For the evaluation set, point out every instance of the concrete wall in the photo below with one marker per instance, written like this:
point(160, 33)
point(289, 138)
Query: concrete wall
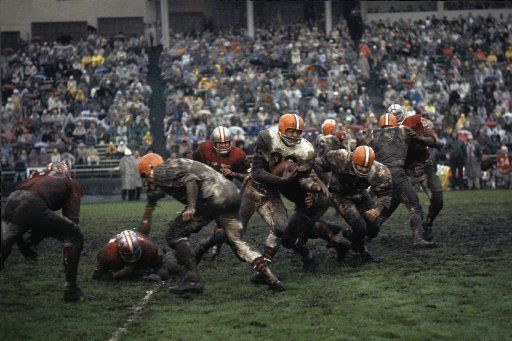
point(392, 17)
point(17, 15)
point(92, 186)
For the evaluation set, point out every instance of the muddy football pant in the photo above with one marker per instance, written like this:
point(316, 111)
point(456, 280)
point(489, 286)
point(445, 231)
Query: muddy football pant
point(179, 231)
point(404, 193)
point(429, 181)
point(25, 211)
point(271, 208)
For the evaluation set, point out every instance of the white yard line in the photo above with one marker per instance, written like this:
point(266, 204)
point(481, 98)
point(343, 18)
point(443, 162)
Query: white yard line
point(135, 311)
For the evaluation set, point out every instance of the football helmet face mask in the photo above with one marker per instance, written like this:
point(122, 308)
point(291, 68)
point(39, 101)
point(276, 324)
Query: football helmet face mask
point(129, 248)
point(221, 140)
point(398, 111)
point(290, 128)
point(363, 158)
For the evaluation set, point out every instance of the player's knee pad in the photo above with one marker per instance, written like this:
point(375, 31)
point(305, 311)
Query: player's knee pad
point(76, 240)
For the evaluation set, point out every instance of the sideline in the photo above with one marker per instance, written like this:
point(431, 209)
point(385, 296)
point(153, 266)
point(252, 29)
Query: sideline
point(135, 310)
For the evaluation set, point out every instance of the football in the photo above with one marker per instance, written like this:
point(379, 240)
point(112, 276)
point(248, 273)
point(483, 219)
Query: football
point(284, 168)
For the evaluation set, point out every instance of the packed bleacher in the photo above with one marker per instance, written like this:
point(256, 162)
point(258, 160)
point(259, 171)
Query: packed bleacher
point(65, 99)
point(81, 103)
point(456, 72)
point(228, 79)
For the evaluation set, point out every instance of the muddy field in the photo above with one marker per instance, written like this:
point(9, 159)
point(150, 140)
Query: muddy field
point(462, 289)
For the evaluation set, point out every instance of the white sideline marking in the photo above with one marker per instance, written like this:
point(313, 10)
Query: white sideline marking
point(135, 311)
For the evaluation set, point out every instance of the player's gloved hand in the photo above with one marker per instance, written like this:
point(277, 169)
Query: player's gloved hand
point(372, 214)
point(188, 214)
point(411, 133)
point(324, 190)
point(309, 200)
point(126, 271)
point(227, 172)
point(145, 224)
point(290, 174)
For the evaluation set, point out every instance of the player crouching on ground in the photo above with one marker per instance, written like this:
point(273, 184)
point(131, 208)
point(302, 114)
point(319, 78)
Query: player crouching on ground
point(31, 208)
point(208, 196)
point(351, 175)
point(131, 254)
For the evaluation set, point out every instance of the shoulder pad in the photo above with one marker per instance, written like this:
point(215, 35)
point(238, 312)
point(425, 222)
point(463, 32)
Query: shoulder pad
point(341, 154)
point(204, 146)
point(238, 153)
point(264, 138)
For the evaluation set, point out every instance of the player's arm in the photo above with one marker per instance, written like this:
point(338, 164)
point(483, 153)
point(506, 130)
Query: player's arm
point(381, 187)
point(154, 193)
point(71, 208)
point(259, 171)
point(192, 192)
point(241, 167)
point(429, 133)
point(197, 155)
point(411, 136)
point(126, 271)
point(103, 268)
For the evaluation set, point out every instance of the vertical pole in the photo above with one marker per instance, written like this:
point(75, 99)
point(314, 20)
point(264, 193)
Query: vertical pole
point(440, 8)
point(364, 10)
point(250, 17)
point(328, 17)
point(164, 20)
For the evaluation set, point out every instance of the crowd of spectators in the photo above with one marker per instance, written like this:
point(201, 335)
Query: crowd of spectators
point(228, 79)
point(457, 72)
point(61, 100)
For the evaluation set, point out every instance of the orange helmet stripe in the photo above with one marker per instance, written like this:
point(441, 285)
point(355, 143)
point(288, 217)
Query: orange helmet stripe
point(387, 119)
point(128, 240)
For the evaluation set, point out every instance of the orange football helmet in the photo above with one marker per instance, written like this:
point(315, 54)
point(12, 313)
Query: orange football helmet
point(148, 162)
point(329, 127)
point(387, 120)
point(363, 156)
point(290, 121)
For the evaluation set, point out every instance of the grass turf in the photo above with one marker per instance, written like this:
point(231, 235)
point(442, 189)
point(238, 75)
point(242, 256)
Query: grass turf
point(462, 289)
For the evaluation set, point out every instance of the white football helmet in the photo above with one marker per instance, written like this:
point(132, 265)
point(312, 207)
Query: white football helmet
point(398, 111)
point(221, 135)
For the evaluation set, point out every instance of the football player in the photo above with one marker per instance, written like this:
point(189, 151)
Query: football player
point(420, 168)
point(352, 174)
point(230, 161)
point(219, 154)
point(32, 208)
point(207, 196)
point(129, 254)
point(391, 144)
point(262, 188)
